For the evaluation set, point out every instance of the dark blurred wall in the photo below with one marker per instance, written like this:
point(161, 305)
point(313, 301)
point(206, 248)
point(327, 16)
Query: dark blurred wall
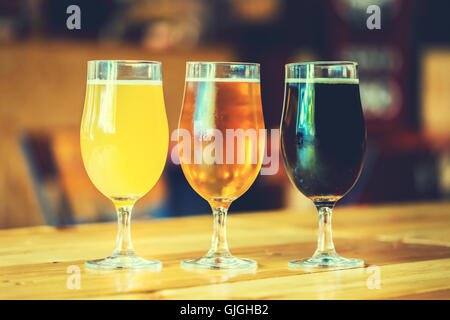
point(94, 13)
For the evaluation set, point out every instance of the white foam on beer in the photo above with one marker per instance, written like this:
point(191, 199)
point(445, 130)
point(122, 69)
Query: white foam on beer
point(124, 82)
point(323, 80)
point(221, 80)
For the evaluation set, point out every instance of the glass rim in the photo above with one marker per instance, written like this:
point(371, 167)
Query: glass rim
point(225, 63)
point(322, 64)
point(135, 62)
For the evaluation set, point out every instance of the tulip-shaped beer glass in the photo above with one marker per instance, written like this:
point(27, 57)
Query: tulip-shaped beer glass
point(323, 141)
point(221, 132)
point(124, 143)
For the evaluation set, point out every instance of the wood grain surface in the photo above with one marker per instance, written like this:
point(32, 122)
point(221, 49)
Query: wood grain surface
point(406, 247)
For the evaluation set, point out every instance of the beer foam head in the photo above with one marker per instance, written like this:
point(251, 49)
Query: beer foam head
point(221, 80)
point(123, 82)
point(323, 80)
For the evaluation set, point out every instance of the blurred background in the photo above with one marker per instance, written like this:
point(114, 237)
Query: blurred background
point(404, 76)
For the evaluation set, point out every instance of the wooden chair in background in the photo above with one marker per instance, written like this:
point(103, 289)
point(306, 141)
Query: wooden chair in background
point(62, 187)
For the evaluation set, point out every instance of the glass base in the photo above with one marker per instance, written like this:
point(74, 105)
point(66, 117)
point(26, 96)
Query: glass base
point(326, 263)
point(131, 262)
point(219, 263)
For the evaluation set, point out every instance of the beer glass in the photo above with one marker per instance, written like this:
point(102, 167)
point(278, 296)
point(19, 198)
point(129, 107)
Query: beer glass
point(323, 142)
point(124, 143)
point(221, 127)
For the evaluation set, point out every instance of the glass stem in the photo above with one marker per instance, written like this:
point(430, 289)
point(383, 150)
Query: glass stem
point(219, 245)
point(325, 245)
point(123, 242)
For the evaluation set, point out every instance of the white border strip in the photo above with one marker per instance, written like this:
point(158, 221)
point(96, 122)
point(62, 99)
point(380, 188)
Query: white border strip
point(323, 80)
point(125, 82)
point(221, 80)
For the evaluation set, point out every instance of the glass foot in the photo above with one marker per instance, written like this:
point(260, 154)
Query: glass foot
point(326, 263)
point(219, 263)
point(131, 262)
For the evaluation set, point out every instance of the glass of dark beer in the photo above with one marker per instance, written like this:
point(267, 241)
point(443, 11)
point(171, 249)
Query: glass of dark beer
point(323, 143)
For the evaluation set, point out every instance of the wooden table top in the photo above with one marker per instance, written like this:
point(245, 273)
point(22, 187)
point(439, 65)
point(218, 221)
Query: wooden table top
point(406, 247)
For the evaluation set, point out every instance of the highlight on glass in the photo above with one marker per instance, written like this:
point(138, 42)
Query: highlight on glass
point(124, 143)
point(323, 143)
point(221, 107)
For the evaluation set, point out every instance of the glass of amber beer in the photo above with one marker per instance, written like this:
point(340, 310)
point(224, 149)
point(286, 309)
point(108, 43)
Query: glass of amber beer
point(222, 144)
point(124, 143)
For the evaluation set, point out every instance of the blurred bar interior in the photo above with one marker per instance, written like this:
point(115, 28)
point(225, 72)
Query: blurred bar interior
point(405, 89)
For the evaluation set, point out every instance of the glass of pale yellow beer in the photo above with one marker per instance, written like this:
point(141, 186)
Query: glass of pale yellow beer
point(124, 143)
point(221, 145)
